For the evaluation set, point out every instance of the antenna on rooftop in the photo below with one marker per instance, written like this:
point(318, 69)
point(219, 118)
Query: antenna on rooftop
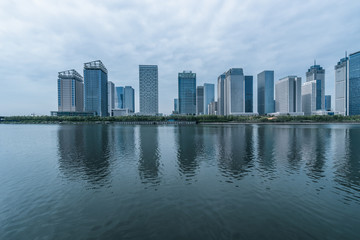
point(314, 62)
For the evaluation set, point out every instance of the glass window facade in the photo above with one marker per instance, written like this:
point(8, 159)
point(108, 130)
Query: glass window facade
point(248, 93)
point(354, 84)
point(95, 89)
point(187, 92)
point(120, 97)
point(209, 96)
point(59, 92)
point(266, 103)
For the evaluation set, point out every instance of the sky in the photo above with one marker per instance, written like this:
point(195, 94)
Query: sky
point(40, 38)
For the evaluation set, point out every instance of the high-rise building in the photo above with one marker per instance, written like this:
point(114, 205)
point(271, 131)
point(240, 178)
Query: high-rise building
point(265, 87)
point(288, 95)
point(347, 85)
point(199, 100)
point(70, 91)
point(317, 73)
point(148, 83)
point(234, 92)
point(354, 84)
point(111, 97)
point(308, 97)
point(187, 92)
point(96, 88)
point(341, 86)
point(220, 94)
point(327, 102)
point(176, 106)
point(213, 108)
point(249, 94)
point(119, 97)
point(209, 96)
point(129, 98)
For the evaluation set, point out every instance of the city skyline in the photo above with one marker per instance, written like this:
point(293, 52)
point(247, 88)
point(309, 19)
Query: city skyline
point(167, 36)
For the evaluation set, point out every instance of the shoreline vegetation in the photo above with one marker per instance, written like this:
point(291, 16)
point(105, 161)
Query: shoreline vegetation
point(181, 119)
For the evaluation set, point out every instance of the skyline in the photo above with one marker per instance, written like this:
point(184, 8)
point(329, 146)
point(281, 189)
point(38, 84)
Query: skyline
point(279, 36)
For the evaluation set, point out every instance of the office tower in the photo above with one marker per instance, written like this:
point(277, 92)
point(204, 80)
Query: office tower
point(317, 73)
point(176, 106)
point(199, 100)
point(341, 86)
point(148, 82)
point(234, 97)
point(129, 98)
point(288, 95)
point(265, 87)
point(120, 97)
point(249, 94)
point(221, 92)
point(354, 84)
point(209, 96)
point(70, 91)
point(213, 108)
point(327, 102)
point(187, 92)
point(111, 96)
point(96, 88)
point(308, 97)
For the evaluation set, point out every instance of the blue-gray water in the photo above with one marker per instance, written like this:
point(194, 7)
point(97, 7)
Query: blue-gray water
point(179, 182)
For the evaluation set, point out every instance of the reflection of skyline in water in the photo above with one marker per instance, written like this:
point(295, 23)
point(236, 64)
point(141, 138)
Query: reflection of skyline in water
point(84, 152)
point(236, 150)
point(187, 149)
point(347, 161)
point(149, 154)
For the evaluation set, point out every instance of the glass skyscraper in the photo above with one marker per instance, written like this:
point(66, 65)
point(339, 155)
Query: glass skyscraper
point(199, 100)
point(129, 98)
point(148, 83)
point(234, 92)
point(111, 96)
point(341, 86)
point(221, 93)
point(354, 83)
point(327, 102)
point(317, 73)
point(70, 91)
point(176, 106)
point(96, 88)
point(120, 97)
point(209, 96)
point(288, 95)
point(265, 86)
point(187, 92)
point(249, 94)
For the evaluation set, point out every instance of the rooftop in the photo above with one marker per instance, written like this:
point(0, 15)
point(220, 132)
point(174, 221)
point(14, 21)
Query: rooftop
point(355, 53)
point(95, 65)
point(70, 74)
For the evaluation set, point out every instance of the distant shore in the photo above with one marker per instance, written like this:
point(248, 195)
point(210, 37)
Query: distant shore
point(182, 120)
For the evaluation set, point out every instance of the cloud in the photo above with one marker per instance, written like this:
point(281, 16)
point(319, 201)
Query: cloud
point(40, 38)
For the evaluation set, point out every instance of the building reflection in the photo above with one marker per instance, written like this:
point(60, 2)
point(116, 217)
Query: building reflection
point(84, 152)
point(235, 150)
point(187, 149)
point(315, 142)
point(346, 161)
point(265, 148)
point(149, 154)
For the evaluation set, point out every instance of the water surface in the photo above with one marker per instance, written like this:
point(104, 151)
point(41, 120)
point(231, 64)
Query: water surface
point(94, 181)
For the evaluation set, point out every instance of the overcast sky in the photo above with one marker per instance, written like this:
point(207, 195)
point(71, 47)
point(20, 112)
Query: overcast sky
point(40, 38)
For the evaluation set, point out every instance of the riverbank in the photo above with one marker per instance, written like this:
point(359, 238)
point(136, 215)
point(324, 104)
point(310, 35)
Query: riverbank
point(177, 119)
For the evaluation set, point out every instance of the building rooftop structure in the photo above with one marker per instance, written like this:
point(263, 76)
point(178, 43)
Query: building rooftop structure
point(70, 74)
point(95, 65)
